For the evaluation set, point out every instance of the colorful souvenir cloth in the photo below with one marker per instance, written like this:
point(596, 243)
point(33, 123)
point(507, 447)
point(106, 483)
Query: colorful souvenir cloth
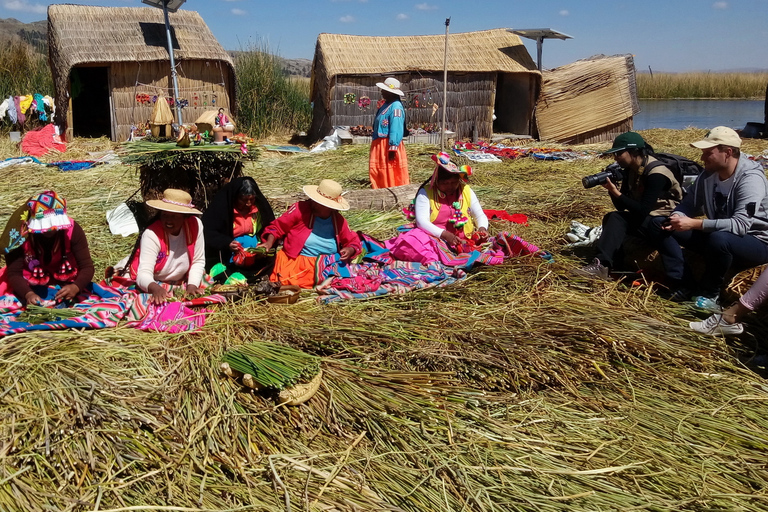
point(105, 306)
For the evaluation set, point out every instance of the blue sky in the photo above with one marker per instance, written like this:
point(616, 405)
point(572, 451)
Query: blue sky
point(667, 35)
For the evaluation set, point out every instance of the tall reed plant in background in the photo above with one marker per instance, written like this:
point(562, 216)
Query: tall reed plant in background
point(24, 71)
point(269, 102)
point(702, 85)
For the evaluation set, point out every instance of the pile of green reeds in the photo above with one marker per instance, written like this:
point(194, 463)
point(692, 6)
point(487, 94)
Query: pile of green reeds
point(272, 366)
point(35, 314)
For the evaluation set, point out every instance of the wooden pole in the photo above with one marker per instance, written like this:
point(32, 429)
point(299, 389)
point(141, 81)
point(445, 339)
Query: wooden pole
point(445, 83)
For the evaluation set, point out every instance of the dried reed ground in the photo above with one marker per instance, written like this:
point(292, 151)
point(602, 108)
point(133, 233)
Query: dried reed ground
point(520, 388)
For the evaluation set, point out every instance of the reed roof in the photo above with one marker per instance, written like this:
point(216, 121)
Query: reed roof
point(585, 96)
point(81, 34)
point(494, 50)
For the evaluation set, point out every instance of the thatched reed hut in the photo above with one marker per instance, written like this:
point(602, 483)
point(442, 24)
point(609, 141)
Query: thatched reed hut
point(590, 100)
point(108, 63)
point(487, 70)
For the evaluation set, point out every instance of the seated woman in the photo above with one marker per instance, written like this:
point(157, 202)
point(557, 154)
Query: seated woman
point(171, 251)
point(45, 247)
point(233, 226)
point(308, 229)
point(451, 226)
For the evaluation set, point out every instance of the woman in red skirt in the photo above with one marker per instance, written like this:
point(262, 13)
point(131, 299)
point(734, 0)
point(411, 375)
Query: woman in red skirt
point(388, 163)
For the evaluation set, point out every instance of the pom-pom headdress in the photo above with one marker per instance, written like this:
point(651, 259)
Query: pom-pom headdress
point(47, 212)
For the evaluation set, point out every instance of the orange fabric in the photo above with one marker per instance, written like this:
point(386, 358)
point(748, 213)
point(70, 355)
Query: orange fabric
point(298, 272)
point(384, 172)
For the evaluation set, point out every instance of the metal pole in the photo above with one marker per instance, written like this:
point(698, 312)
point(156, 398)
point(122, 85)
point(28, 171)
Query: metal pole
point(173, 63)
point(539, 44)
point(445, 83)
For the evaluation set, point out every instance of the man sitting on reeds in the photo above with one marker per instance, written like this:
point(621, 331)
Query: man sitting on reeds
point(649, 190)
point(733, 197)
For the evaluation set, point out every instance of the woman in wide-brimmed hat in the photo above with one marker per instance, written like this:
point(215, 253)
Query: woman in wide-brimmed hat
point(388, 163)
point(450, 224)
point(234, 223)
point(44, 247)
point(309, 229)
point(171, 251)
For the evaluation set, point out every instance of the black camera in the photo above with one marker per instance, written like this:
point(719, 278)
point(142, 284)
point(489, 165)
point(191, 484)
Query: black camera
point(613, 171)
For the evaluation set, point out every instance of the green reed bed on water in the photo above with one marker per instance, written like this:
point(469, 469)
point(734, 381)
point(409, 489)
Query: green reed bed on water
point(520, 388)
point(702, 85)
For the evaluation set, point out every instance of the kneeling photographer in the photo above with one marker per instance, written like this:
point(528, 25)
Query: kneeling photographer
point(648, 189)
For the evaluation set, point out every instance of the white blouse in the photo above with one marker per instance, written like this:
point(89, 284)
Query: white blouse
point(423, 213)
point(177, 264)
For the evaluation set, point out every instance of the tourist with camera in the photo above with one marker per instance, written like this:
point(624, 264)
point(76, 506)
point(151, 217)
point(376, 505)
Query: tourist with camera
point(648, 190)
point(733, 198)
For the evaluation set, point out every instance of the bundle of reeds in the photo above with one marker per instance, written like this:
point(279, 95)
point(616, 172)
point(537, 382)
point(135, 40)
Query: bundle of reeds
point(272, 366)
point(35, 314)
point(200, 170)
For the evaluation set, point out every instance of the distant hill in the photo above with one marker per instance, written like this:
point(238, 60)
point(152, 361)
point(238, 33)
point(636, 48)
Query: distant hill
point(36, 35)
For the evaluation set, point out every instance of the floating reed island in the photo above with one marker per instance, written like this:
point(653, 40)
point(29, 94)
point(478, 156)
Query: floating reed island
point(519, 388)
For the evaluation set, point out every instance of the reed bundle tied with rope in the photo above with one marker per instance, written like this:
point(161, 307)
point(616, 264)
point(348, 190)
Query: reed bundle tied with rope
point(272, 366)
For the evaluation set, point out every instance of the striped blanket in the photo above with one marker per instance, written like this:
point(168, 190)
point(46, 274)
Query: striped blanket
point(104, 306)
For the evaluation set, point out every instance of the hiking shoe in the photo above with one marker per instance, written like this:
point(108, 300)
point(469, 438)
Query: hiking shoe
point(707, 303)
point(594, 269)
point(678, 295)
point(715, 324)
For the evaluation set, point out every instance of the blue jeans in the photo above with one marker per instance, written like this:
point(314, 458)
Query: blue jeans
point(720, 250)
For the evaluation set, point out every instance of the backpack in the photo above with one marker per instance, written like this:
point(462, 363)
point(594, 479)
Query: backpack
point(684, 169)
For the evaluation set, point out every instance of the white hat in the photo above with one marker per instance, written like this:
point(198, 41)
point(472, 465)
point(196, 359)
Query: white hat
point(391, 85)
point(174, 200)
point(327, 193)
point(717, 136)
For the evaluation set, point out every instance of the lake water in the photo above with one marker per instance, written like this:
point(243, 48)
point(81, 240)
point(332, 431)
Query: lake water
point(679, 114)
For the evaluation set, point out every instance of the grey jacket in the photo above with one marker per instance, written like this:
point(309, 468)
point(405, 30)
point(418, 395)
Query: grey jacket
point(746, 204)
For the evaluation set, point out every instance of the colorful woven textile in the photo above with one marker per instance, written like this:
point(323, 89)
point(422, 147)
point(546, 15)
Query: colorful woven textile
point(105, 306)
point(470, 150)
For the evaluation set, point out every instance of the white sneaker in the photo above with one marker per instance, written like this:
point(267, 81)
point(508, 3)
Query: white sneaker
point(715, 324)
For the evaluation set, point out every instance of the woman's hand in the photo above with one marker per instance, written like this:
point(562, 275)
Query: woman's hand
point(267, 243)
point(449, 238)
point(482, 235)
point(67, 292)
point(346, 254)
point(235, 246)
point(158, 294)
point(192, 290)
point(33, 298)
point(611, 188)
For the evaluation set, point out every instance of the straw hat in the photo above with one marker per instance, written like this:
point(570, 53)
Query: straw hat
point(327, 193)
point(174, 200)
point(391, 85)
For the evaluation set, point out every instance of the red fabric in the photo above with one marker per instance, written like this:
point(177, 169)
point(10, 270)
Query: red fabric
point(39, 142)
point(517, 218)
point(383, 172)
point(242, 224)
point(295, 226)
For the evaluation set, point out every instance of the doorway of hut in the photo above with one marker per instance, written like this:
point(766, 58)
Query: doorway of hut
point(515, 100)
point(89, 90)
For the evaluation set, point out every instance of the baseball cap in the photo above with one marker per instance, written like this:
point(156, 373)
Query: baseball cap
point(718, 135)
point(627, 140)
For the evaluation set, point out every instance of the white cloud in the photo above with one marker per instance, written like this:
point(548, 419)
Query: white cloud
point(425, 7)
point(720, 5)
point(564, 12)
point(401, 16)
point(238, 12)
point(347, 19)
point(23, 6)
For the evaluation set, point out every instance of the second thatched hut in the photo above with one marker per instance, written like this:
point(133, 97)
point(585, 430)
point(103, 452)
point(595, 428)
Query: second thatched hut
point(487, 70)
